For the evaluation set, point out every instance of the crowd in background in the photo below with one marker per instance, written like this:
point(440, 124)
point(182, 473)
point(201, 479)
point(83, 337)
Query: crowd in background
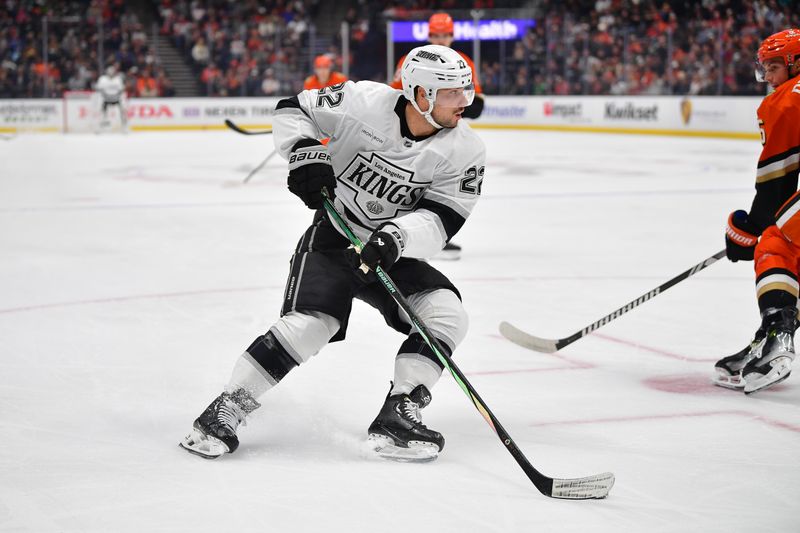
point(649, 47)
point(265, 48)
point(76, 31)
point(243, 48)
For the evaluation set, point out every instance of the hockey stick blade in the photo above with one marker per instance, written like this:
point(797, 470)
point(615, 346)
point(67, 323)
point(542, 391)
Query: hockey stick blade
point(237, 129)
point(526, 340)
point(584, 488)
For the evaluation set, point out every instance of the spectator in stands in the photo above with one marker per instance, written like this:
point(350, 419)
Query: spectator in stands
point(232, 84)
point(252, 84)
point(270, 86)
point(146, 86)
point(7, 85)
point(211, 77)
point(200, 52)
point(164, 84)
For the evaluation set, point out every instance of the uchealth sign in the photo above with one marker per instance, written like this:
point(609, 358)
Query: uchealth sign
point(465, 30)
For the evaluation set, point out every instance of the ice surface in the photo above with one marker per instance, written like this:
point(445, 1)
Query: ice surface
point(135, 269)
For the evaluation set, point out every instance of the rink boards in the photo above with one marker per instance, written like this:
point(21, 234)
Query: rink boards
point(704, 116)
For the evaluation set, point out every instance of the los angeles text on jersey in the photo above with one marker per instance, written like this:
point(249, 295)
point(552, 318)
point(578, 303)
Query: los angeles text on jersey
point(382, 189)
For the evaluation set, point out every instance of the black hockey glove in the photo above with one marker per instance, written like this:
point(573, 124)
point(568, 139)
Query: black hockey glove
point(475, 109)
point(741, 237)
point(309, 171)
point(383, 248)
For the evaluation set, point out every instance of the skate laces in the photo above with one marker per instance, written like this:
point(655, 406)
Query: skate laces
point(411, 410)
point(230, 415)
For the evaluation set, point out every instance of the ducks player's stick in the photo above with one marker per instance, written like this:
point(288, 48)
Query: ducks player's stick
point(532, 342)
point(237, 129)
point(584, 488)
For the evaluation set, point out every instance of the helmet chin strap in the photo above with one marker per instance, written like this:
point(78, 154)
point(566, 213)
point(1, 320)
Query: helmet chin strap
point(427, 114)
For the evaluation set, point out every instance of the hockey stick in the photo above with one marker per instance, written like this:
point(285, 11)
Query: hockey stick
point(260, 166)
point(237, 129)
point(526, 340)
point(584, 488)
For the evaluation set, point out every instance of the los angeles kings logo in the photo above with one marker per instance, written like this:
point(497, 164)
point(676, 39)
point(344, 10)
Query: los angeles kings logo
point(381, 189)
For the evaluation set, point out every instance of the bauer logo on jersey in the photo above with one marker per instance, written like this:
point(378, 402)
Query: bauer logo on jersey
point(379, 188)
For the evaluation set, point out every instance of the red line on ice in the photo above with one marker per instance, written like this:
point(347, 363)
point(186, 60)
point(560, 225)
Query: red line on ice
point(572, 365)
point(651, 349)
point(129, 298)
point(746, 414)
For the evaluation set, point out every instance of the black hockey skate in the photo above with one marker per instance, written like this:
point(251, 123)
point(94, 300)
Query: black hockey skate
point(773, 361)
point(729, 369)
point(214, 431)
point(398, 432)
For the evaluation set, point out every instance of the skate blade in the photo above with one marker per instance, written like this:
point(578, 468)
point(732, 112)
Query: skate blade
point(727, 381)
point(417, 451)
point(781, 368)
point(198, 443)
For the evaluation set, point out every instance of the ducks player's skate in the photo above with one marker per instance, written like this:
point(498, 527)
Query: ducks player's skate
point(398, 432)
point(773, 361)
point(214, 432)
point(729, 369)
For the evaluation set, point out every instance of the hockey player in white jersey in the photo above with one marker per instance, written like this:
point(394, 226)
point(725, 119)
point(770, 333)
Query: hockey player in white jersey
point(111, 87)
point(406, 172)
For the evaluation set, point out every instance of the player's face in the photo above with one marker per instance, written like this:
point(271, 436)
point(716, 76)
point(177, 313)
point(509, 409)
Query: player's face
point(323, 73)
point(775, 72)
point(447, 117)
point(442, 39)
point(450, 104)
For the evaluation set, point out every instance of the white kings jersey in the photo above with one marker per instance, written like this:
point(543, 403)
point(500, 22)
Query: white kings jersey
point(111, 87)
point(426, 186)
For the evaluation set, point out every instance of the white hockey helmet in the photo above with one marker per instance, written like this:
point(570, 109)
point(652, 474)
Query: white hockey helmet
point(434, 67)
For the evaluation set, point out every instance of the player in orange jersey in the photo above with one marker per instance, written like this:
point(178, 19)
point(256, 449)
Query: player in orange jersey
point(440, 31)
point(324, 75)
point(770, 232)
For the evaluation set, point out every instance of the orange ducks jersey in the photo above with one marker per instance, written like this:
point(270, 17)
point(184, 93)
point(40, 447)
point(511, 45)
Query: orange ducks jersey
point(398, 84)
point(776, 178)
point(312, 82)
